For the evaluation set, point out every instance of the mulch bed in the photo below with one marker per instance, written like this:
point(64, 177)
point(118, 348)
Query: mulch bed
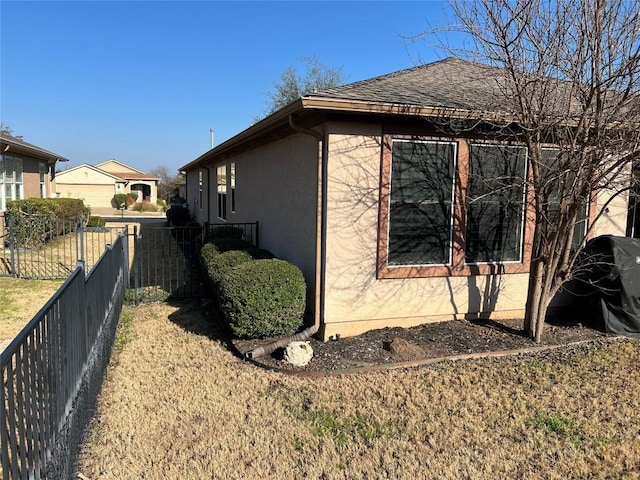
point(428, 341)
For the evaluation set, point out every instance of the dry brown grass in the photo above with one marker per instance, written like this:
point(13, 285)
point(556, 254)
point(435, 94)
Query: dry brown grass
point(20, 300)
point(177, 405)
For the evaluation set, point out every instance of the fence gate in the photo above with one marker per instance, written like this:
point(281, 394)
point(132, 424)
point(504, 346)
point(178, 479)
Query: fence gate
point(166, 263)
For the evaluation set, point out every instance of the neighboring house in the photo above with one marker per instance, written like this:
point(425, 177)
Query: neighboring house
point(330, 178)
point(26, 170)
point(97, 185)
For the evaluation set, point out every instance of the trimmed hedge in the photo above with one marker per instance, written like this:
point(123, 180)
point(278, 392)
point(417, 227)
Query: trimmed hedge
point(226, 231)
point(222, 264)
point(263, 298)
point(124, 199)
point(207, 253)
point(96, 221)
point(226, 244)
point(178, 216)
point(37, 220)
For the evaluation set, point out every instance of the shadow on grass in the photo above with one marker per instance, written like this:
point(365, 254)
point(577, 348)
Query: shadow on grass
point(200, 317)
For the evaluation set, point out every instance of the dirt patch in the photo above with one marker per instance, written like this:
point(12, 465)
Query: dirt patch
point(432, 340)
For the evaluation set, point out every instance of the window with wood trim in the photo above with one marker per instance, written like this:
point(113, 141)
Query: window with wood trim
point(452, 208)
point(421, 202)
point(555, 172)
point(495, 203)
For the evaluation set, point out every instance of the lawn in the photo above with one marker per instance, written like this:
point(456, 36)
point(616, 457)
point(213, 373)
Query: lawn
point(177, 404)
point(20, 300)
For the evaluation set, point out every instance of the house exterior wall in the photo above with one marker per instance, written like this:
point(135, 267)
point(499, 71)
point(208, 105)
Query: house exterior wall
point(198, 208)
point(31, 177)
point(356, 299)
point(92, 187)
point(277, 186)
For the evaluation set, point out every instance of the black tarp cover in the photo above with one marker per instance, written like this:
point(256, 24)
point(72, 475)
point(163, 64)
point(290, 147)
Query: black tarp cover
point(613, 274)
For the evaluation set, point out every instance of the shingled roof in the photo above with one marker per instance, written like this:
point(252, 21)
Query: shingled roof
point(451, 83)
point(9, 143)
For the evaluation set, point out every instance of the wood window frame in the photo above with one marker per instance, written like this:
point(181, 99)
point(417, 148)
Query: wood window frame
point(458, 266)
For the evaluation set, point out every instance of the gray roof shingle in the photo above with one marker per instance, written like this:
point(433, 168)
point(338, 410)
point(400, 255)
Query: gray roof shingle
point(449, 83)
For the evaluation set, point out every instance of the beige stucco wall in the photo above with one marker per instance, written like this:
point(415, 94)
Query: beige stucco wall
point(94, 188)
point(199, 211)
point(355, 300)
point(277, 186)
point(31, 177)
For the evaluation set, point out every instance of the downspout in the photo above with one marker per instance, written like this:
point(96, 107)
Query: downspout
point(321, 212)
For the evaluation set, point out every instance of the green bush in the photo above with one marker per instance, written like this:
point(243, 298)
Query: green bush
point(178, 216)
point(259, 253)
point(226, 231)
point(226, 244)
point(263, 298)
point(119, 199)
point(124, 199)
point(96, 222)
point(221, 264)
point(37, 220)
point(207, 253)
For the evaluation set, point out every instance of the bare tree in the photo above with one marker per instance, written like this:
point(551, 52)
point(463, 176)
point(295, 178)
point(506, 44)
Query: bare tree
point(6, 130)
point(571, 73)
point(291, 85)
point(168, 182)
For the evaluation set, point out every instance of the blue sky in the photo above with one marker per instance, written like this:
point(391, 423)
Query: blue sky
point(144, 81)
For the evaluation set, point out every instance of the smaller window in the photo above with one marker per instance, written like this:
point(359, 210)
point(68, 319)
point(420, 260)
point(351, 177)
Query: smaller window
point(221, 174)
point(200, 188)
point(232, 183)
point(43, 180)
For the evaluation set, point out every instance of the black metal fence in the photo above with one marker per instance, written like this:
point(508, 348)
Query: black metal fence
point(53, 370)
point(251, 231)
point(166, 262)
point(50, 249)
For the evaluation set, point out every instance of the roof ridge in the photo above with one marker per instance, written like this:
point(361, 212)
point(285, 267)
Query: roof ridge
point(397, 73)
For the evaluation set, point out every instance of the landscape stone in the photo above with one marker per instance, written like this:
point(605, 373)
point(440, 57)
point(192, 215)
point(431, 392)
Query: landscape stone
point(298, 354)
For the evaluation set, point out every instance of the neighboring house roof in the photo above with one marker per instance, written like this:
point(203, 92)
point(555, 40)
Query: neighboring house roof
point(11, 144)
point(60, 176)
point(124, 171)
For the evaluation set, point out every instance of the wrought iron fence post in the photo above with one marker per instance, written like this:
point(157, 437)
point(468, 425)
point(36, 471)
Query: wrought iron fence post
point(135, 264)
point(80, 228)
point(12, 246)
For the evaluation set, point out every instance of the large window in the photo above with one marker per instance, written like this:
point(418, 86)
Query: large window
point(554, 170)
point(10, 180)
point(421, 203)
point(495, 203)
point(221, 175)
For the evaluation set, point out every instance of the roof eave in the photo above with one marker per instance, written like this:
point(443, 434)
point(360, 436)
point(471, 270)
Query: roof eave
point(32, 150)
point(254, 130)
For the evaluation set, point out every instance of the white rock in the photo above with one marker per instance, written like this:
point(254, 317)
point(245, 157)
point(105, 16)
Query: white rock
point(298, 354)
